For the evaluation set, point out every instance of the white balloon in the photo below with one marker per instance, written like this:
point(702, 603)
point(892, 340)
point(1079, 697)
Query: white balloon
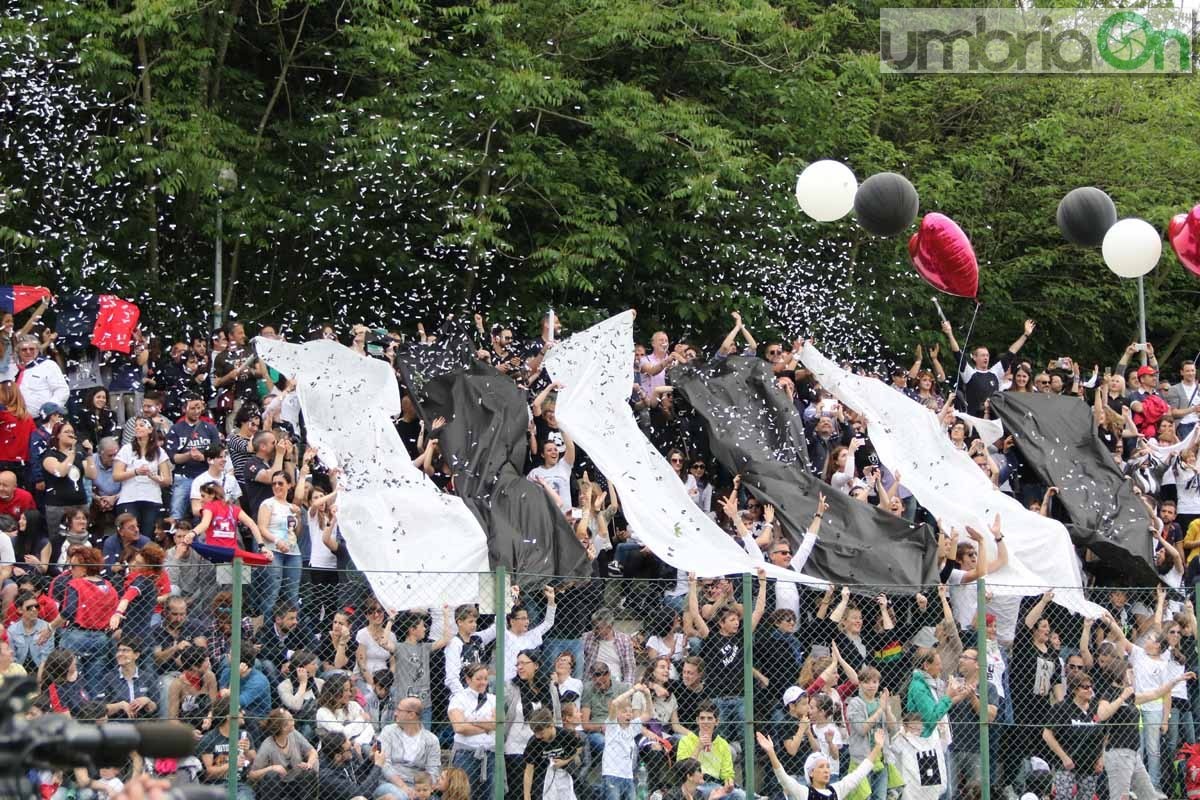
point(1132, 247)
point(825, 190)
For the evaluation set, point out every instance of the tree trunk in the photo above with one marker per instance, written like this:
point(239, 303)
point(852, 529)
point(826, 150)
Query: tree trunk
point(150, 202)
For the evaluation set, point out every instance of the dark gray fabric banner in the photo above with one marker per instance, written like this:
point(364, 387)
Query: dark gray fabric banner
point(754, 431)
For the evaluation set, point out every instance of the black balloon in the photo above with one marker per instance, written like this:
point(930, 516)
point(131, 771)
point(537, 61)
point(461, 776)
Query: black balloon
point(886, 204)
point(1085, 215)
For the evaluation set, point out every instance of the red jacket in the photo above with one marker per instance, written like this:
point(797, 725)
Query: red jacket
point(14, 436)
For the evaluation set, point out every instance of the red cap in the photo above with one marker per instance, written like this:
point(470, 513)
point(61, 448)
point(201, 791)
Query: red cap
point(1146, 370)
point(991, 619)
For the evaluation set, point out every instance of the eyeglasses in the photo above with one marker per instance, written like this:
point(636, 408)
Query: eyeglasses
point(1042, 382)
point(753, 504)
point(30, 608)
point(774, 352)
point(782, 552)
point(698, 466)
point(676, 460)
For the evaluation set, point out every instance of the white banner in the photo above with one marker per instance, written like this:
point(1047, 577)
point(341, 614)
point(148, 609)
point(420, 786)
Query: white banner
point(595, 367)
point(395, 521)
point(910, 440)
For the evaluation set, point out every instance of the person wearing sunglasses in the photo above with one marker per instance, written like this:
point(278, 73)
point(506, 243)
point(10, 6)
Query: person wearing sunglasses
point(30, 635)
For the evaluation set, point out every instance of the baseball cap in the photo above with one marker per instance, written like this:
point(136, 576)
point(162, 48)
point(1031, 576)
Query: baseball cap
point(792, 694)
point(1146, 370)
point(991, 619)
point(52, 408)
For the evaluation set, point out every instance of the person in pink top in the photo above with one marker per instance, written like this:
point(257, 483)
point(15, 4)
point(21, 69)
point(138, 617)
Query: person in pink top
point(219, 519)
point(653, 367)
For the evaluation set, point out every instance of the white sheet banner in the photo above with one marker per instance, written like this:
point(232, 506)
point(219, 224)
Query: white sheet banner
point(909, 439)
point(419, 547)
point(595, 367)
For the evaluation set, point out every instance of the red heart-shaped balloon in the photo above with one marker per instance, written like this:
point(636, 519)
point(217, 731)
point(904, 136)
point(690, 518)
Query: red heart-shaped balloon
point(943, 256)
point(1184, 235)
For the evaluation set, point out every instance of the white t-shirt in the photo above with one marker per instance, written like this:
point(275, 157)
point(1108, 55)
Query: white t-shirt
point(830, 749)
point(140, 488)
point(320, 556)
point(559, 479)
point(964, 599)
point(228, 482)
point(921, 761)
point(1149, 673)
point(467, 702)
point(377, 657)
point(283, 524)
point(620, 749)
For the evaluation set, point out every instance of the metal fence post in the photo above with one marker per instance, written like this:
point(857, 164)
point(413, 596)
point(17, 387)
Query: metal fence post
point(501, 596)
point(982, 685)
point(235, 680)
point(748, 682)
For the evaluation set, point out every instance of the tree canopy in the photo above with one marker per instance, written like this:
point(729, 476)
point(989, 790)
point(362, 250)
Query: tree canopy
point(399, 160)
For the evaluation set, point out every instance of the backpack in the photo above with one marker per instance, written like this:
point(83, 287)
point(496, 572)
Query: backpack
point(97, 603)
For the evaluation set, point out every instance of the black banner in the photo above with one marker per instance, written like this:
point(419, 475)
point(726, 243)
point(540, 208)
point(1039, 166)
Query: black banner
point(485, 440)
point(755, 431)
point(1057, 439)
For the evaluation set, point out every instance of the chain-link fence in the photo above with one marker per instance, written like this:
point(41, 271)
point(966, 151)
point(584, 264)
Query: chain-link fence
point(612, 686)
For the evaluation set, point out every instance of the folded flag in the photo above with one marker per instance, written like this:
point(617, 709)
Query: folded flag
point(103, 321)
point(224, 555)
point(15, 299)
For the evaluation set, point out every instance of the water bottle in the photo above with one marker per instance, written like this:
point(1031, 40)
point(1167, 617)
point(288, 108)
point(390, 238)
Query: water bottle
point(643, 781)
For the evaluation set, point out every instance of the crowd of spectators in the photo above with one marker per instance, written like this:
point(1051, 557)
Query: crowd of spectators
point(113, 466)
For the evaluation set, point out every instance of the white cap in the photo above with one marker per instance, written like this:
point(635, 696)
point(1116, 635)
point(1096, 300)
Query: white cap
point(792, 694)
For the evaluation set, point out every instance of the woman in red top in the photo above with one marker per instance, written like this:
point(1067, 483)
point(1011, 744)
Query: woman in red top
point(134, 614)
point(219, 519)
point(87, 607)
point(15, 427)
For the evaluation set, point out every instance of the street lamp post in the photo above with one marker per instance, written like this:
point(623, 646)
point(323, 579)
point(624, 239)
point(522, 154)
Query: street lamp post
point(227, 181)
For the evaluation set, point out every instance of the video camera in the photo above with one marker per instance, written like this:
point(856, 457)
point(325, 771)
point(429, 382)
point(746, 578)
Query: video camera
point(55, 742)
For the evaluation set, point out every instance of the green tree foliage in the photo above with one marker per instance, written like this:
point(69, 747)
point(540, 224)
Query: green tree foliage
point(399, 160)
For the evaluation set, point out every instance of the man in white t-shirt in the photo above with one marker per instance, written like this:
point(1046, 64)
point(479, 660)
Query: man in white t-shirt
point(555, 472)
point(214, 474)
point(963, 592)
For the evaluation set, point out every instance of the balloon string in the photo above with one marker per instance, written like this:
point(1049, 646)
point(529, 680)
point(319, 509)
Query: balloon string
point(962, 351)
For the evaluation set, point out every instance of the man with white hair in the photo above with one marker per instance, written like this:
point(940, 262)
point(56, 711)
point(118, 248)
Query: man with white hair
point(41, 380)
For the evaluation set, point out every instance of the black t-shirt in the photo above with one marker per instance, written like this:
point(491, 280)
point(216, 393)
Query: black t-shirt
point(723, 664)
point(215, 744)
point(1122, 726)
point(545, 432)
point(1032, 677)
point(67, 490)
point(1077, 733)
point(233, 358)
point(253, 492)
point(782, 731)
point(689, 701)
point(964, 721)
point(538, 753)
